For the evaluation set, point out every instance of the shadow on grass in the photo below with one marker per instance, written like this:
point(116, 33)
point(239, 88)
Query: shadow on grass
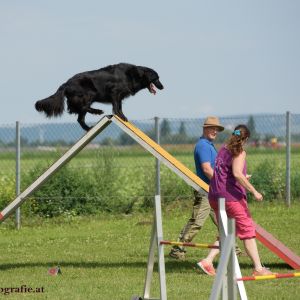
point(171, 266)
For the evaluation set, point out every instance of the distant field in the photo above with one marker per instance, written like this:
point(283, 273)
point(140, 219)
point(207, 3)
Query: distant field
point(132, 157)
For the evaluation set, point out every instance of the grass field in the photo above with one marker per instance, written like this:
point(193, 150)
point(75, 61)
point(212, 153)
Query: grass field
point(105, 256)
point(97, 175)
point(132, 156)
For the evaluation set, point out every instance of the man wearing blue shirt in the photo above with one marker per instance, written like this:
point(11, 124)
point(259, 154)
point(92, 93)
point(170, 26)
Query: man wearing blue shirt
point(204, 156)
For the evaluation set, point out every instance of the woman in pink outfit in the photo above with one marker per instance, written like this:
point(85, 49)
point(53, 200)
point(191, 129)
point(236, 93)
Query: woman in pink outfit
point(230, 181)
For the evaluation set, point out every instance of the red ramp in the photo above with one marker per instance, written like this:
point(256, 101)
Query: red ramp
point(277, 247)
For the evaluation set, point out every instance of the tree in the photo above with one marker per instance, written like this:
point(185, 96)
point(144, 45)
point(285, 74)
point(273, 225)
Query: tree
point(165, 129)
point(251, 127)
point(125, 139)
point(182, 130)
point(181, 137)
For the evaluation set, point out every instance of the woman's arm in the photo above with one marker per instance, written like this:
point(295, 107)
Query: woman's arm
point(238, 163)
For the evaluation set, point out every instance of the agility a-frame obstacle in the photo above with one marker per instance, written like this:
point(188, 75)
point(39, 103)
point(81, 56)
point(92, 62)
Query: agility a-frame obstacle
point(187, 175)
point(132, 131)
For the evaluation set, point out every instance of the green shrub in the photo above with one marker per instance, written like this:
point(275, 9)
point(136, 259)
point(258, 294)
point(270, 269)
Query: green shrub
point(103, 181)
point(173, 187)
point(7, 189)
point(102, 187)
point(269, 179)
point(63, 192)
point(295, 186)
point(115, 188)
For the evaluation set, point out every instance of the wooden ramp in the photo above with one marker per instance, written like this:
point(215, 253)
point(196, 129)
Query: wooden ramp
point(277, 247)
point(171, 162)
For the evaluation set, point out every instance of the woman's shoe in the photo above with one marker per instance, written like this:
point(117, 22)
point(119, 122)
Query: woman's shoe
point(263, 272)
point(206, 267)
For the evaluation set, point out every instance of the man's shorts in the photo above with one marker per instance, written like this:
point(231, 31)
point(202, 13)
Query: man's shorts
point(239, 211)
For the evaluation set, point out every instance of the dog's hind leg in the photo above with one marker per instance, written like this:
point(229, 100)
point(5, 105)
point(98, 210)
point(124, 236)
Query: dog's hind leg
point(81, 121)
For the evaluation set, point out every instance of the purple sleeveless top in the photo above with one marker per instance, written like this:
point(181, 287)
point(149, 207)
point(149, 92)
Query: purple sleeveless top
point(223, 184)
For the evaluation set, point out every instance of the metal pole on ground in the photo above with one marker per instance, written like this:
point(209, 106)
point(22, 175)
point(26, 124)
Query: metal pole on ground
point(161, 259)
point(18, 167)
point(155, 242)
point(157, 138)
point(288, 160)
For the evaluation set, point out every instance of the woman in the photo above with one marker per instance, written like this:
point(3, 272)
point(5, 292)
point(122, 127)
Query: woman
point(230, 181)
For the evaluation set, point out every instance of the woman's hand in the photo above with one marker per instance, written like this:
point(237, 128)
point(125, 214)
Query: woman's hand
point(258, 196)
point(248, 176)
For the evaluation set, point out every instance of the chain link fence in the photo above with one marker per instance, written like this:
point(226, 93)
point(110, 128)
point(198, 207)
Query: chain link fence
point(114, 173)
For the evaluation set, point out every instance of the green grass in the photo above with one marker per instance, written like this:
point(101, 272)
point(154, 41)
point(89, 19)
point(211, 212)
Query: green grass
point(105, 256)
point(131, 157)
point(134, 157)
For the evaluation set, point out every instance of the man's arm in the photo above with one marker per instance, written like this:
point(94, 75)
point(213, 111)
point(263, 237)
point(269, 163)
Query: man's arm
point(207, 170)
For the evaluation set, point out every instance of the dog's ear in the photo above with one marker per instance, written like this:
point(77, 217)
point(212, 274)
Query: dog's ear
point(146, 73)
point(135, 72)
point(150, 74)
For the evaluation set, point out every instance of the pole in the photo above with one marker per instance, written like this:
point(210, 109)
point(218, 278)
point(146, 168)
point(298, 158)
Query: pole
point(288, 160)
point(18, 167)
point(157, 165)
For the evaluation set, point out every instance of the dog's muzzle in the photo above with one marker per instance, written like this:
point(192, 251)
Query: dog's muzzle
point(153, 85)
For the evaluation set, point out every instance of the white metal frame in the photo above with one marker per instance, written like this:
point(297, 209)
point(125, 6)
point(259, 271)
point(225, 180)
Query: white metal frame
point(228, 268)
point(156, 238)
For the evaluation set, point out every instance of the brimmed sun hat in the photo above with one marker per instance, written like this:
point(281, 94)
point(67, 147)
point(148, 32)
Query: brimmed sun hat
point(213, 122)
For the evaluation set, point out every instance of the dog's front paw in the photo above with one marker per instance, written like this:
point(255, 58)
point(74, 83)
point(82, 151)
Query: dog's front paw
point(123, 117)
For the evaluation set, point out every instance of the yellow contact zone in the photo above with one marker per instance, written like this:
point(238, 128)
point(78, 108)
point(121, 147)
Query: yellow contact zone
point(189, 244)
point(166, 155)
point(265, 277)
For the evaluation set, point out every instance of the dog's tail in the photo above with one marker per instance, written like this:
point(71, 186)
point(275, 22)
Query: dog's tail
point(54, 105)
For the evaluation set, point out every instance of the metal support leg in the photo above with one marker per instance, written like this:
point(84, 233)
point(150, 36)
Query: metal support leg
point(156, 238)
point(161, 258)
point(150, 263)
point(225, 270)
point(231, 279)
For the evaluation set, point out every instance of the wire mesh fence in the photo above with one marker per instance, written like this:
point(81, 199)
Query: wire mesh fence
point(115, 173)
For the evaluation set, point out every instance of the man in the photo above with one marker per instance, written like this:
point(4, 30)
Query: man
point(204, 156)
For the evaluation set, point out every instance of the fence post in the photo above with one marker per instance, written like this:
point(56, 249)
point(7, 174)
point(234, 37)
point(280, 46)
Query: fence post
point(18, 167)
point(157, 138)
point(288, 160)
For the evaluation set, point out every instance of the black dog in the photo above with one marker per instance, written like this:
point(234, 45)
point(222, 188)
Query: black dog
point(111, 84)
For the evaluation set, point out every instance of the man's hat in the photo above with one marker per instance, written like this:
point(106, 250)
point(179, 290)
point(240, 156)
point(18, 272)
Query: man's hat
point(213, 122)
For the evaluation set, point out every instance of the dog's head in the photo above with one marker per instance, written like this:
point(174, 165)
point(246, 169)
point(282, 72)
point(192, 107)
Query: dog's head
point(150, 79)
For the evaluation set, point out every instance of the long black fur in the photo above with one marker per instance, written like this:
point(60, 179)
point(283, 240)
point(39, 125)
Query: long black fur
point(111, 84)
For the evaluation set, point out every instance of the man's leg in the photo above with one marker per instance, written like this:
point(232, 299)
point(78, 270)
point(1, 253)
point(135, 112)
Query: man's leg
point(201, 210)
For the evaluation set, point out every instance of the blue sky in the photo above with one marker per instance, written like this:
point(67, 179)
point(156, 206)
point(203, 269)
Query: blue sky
point(213, 57)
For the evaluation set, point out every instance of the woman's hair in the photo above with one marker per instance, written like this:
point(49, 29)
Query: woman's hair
point(237, 139)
